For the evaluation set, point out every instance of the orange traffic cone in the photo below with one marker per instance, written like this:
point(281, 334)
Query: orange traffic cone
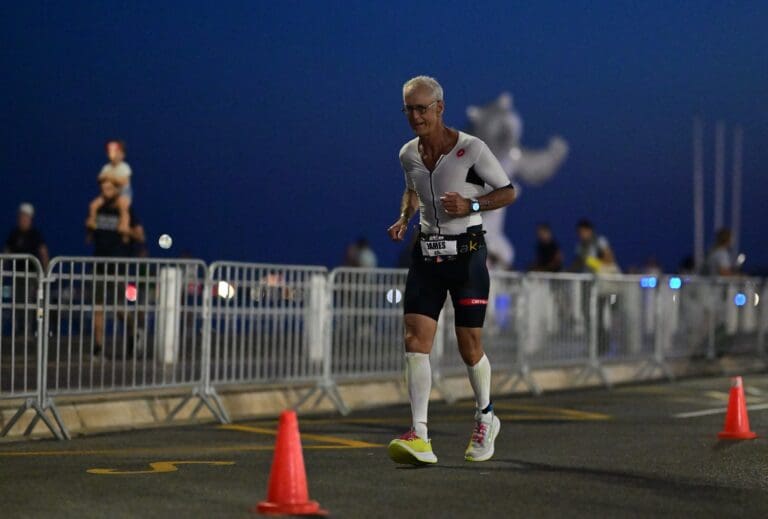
point(736, 419)
point(287, 493)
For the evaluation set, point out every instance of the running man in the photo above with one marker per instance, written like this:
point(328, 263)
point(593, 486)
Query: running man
point(450, 177)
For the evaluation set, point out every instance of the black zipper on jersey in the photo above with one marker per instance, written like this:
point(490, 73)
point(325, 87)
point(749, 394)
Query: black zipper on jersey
point(432, 189)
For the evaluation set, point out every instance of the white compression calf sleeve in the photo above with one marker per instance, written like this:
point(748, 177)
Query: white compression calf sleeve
point(418, 375)
point(480, 378)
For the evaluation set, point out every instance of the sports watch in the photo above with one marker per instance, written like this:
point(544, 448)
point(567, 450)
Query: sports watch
point(474, 205)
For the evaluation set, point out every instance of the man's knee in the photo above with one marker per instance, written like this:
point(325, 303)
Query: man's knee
point(417, 342)
point(419, 334)
point(470, 345)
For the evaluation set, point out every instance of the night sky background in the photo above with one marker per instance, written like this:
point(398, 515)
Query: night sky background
point(269, 131)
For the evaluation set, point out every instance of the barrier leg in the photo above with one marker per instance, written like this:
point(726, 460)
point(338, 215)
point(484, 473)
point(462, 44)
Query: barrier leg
point(522, 375)
point(60, 433)
point(437, 383)
point(209, 399)
point(329, 390)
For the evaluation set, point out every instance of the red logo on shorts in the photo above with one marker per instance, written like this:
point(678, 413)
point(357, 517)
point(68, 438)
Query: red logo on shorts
point(460, 153)
point(472, 302)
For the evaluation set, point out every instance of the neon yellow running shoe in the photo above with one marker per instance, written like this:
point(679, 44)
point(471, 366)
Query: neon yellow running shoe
point(411, 450)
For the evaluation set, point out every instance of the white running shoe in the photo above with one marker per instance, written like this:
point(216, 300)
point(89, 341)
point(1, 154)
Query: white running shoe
point(487, 427)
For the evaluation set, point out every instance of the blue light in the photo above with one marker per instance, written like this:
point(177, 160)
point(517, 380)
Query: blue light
point(648, 282)
point(675, 283)
point(740, 299)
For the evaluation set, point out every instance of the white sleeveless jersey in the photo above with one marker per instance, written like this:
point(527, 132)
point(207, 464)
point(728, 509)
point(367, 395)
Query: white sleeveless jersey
point(470, 169)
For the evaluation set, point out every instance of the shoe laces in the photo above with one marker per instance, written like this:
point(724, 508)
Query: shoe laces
point(478, 435)
point(408, 436)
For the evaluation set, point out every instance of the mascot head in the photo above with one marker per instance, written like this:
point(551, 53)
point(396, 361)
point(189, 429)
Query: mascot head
point(497, 124)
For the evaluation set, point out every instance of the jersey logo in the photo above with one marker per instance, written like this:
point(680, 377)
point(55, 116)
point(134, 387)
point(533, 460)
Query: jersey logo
point(472, 302)
point(460, 153)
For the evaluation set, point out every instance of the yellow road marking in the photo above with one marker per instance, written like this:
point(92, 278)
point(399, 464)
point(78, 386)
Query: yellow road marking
point(315, 437)
point(533, 413)
point(192, 450)
point(158, 467)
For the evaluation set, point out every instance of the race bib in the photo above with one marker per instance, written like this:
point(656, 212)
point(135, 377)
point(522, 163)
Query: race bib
point(438, 246)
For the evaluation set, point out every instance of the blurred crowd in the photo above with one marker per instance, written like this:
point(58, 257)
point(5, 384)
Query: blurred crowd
point(114, 230)
point(592, 253)
point(111, 225)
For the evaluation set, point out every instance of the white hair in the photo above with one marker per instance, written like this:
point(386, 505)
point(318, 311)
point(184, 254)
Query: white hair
point(426, 82)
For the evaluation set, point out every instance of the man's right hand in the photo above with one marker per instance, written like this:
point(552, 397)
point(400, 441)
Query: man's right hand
point(397, 230)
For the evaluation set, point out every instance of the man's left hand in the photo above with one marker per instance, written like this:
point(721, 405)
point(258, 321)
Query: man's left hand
point(455, 204)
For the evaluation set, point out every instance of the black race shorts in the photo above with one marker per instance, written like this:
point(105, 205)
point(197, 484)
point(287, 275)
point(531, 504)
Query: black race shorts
point(464, 276)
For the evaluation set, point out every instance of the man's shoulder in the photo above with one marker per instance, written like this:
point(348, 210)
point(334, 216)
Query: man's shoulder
point(410, 149)
point(470, 142)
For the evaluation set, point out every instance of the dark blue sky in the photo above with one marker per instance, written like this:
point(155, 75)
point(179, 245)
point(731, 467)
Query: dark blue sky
point(269, 131)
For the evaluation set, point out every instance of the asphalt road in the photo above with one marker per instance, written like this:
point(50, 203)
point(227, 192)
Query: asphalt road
point(634, 451)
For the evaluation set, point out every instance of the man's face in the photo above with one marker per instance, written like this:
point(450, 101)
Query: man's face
point(585, 234)
point(544, 234)
point(418, 99)
point(24, 221)
point(108, 190)
point(115, 152)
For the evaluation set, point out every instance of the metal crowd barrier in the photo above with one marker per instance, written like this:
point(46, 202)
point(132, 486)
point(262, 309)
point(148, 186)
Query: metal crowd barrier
point(22, 345)
point(266, 324)
point(106, 325)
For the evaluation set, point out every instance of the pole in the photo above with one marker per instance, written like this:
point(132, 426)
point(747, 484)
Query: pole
point(698, 193)
point(738, 144)
point(719, 175)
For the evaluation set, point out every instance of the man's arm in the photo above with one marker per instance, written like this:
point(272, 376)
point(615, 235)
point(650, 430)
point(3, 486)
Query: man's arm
point(457, 205)
point(409, 204)
point(497, 198)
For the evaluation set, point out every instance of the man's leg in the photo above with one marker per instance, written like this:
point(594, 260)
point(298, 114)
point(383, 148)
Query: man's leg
point(98, 330)
point(470, 299)
point(478, 366)
point(419, 335)
point(424, 298)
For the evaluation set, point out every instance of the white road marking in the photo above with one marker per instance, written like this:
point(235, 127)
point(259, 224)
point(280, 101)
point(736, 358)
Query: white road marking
point(719, 410)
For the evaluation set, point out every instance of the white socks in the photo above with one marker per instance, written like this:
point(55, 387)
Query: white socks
point(480, 378)
point(418, 375)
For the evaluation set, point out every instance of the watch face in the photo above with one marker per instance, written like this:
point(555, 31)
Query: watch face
point(475, 206)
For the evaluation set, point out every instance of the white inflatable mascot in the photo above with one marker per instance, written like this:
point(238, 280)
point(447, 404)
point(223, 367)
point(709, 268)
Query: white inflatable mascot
point(500, 126)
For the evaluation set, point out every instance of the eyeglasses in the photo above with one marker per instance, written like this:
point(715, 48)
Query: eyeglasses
point(421, 109)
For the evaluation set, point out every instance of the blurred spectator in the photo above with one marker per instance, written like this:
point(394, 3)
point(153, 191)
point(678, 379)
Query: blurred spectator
point(549, 257)
point(103, 230)
point(108, 242)
point(119, 173)
point(687, 266)
point(137, 237)
point(593, 252)
point(360, 254)
point(25, 238)
point(719, 261)
point(651, 267)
